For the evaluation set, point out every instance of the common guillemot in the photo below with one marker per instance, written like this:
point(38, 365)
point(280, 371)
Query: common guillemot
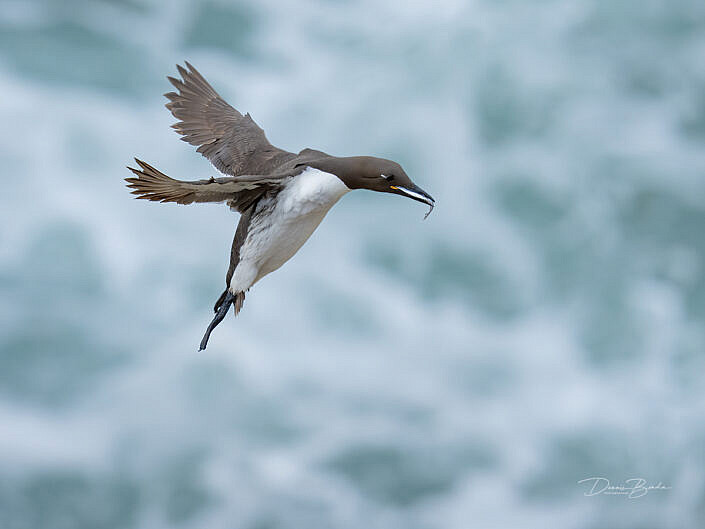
point(282, 197)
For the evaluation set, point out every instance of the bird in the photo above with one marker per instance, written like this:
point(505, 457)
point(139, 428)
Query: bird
point(281, 196)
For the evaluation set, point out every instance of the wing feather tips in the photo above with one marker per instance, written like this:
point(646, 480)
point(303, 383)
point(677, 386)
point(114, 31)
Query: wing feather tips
point(191, 107)
point(233, 143)
point(195, 78)
point(152, 184)
point(182, 71)
point(192, 83)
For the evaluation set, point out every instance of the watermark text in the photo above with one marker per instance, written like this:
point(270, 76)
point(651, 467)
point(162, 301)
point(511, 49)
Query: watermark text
point(631, 488)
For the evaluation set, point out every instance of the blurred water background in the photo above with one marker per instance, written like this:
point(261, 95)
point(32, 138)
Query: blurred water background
point(544, 325)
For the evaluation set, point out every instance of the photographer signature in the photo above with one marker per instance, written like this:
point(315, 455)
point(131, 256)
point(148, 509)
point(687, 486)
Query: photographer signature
point(631, 488)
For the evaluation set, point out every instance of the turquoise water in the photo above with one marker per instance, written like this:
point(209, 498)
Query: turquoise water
point(543, 326)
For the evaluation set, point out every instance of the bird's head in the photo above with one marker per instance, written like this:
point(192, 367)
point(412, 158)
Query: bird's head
point(377, 174)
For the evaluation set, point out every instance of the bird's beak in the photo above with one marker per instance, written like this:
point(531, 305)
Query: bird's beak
point(416, 193)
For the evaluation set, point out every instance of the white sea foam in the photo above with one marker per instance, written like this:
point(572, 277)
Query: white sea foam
point(542, 327)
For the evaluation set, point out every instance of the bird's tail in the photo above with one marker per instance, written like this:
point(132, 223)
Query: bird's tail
point(221, 309)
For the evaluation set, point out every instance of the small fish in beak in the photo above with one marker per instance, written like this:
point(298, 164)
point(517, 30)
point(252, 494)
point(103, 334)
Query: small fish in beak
point(418, 194)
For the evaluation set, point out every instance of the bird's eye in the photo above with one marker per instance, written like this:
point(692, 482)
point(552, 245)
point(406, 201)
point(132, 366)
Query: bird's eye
point(388, 177)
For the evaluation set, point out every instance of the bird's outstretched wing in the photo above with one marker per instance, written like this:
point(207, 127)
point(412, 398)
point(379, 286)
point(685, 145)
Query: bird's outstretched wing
point(233, 143)
point(239, 192)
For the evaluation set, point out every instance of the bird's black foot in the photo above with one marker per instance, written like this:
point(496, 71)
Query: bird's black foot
point(222, 310)
point(220, 300)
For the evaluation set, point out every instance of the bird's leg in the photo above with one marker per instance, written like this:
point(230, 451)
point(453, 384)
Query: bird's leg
point(220, 300)
point(219, 315)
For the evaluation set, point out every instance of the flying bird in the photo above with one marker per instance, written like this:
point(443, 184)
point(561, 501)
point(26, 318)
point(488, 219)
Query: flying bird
point(282, 197)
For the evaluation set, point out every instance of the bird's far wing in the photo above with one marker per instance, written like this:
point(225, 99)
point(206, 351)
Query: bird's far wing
point(239, 192)
point(232, 142)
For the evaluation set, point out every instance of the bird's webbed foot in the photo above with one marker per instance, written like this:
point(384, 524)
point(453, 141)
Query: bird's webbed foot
point(221, 310)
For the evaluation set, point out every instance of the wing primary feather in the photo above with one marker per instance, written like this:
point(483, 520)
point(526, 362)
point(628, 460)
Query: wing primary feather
point(233, 143)
point(151, 184)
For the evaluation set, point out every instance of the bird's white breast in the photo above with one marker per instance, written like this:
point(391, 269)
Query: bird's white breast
point(310, 191)
point(283, 223)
